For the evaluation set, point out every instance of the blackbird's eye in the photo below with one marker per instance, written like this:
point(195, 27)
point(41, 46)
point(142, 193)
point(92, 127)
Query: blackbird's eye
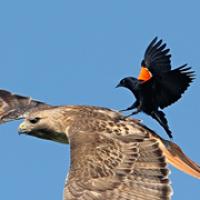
point(123, 82)
point(34, 120)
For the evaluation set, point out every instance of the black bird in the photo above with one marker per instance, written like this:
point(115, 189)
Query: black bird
point(157, 86)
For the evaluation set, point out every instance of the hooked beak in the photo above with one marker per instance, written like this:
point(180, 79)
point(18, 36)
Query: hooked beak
point(22, 128)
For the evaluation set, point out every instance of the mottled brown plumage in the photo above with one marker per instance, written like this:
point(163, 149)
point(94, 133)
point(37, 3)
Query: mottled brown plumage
point(112, 157)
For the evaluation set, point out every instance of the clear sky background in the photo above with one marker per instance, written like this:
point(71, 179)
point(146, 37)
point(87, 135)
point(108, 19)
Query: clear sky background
point(75, 52)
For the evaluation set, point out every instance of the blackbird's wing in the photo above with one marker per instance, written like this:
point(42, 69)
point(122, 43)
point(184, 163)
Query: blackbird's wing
point(169, 86)
point(157, 57)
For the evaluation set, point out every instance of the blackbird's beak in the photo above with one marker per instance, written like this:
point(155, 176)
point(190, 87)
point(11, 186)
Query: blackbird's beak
point(119, 85)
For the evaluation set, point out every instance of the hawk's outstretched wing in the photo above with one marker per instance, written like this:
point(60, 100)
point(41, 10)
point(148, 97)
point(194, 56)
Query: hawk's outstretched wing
point(120, 159)
point(13, 106)
point(110, 165)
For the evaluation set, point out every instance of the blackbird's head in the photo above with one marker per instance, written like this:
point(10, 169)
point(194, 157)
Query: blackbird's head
point(130, 83)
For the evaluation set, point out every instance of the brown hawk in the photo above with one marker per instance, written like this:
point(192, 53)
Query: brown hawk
point(112, 157)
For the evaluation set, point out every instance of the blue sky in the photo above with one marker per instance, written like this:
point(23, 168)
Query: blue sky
point(75, 52)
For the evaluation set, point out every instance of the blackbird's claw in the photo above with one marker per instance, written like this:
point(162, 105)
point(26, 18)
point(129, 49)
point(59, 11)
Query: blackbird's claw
point(135, 112)
point(124, 117)
point(123, 110)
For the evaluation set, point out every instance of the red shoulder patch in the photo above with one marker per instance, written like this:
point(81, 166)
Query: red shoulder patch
point(144, 74)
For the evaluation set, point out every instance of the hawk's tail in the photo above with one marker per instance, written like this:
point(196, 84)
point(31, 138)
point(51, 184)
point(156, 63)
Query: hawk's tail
point(178, 159)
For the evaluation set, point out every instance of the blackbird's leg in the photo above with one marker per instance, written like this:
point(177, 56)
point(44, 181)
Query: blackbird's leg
point(136, 111)
point(133, 113)
point(133, 106)
point(136, 105)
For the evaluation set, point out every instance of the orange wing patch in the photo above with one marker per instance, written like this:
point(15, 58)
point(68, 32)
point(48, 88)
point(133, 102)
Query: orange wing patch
point(145, 74)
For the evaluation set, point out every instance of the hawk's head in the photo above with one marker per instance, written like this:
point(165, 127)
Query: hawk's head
point(45, 124)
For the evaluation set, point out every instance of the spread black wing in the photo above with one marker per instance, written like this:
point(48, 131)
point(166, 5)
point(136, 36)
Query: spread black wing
point(157, 57)
point(169, 86)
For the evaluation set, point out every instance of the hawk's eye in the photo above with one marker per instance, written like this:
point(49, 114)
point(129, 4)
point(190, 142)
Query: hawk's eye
point(34, 120)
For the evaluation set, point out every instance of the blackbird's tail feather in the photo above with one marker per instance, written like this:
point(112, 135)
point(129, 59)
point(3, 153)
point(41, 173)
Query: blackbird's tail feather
point(159, 116)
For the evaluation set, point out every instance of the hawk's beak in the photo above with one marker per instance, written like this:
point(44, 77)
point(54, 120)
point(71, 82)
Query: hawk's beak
point(22, 128)
point(119, 85)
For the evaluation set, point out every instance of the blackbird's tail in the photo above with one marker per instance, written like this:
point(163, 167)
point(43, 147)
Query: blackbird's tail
point(159, 116)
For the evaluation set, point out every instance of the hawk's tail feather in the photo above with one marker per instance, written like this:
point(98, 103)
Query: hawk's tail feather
point(176, 157)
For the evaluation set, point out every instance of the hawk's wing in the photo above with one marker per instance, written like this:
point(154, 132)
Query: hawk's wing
point(13, 106)
point(115, 160)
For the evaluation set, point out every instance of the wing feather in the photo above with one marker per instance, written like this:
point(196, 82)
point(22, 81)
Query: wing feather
point(111, 165)
point(168, 87)
point(13, 106)
point(157, 57)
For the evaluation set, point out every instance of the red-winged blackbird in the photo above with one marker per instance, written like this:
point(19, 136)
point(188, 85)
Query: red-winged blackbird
point(157, 86)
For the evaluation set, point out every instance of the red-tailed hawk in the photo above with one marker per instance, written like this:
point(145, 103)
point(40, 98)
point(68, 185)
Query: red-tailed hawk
point(112, 157)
